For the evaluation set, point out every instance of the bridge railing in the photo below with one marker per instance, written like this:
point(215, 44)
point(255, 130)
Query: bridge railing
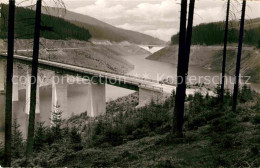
point(104, 74)
point(78, 66)
point(150, 87)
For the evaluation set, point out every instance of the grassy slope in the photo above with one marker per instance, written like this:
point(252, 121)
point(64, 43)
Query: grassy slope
point(24, 26)
point(213, 33)
point(103, 31)
point(214, 136)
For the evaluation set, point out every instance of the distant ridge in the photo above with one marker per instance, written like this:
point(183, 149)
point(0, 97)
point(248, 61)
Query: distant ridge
point(213, 33)
point(103, 31)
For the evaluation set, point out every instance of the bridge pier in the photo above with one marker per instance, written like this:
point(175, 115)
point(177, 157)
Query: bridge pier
point(97, 99)
point(3, 79)
point(148, 95)
point(28, 95)
point(15, 96)
point(2, 75)
point(94, 100)
point(21, 117)
point(60, 95)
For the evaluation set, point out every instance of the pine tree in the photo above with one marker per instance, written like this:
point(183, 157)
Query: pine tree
point(17, 141)
point(57, 121)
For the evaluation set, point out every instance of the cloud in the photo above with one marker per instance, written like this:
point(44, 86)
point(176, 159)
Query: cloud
point(211, 14)
point(164, 34)
point(142, 16)
point(135, 27)
point(167, 10)
point(102, 9)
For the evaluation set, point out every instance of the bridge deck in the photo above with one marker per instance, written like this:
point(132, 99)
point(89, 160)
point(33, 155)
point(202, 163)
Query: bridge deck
point(120, 80)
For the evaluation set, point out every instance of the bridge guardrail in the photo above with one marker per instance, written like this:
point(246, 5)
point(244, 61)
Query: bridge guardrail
point(152, 87)
point(105, 74)
point(116, 73)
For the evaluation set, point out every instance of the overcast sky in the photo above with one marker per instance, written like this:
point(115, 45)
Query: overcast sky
point(159, 18)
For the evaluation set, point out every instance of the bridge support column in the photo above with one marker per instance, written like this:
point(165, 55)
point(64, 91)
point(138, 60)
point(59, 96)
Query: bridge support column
point(15, 83)
point(2, 75)
point(28, 95)
point(97, 100)
point(148, 95)
point(21, 117)
point(60, 95)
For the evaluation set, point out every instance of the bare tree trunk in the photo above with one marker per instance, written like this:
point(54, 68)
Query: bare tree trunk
point(183, 67)
point(9, 85)
point(188, 40)
point(30, 136)
point(179, 105)
point(224, 53)
point(240, 45)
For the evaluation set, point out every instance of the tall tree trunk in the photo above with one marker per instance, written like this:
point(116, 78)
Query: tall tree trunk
point(188, 40)
point(9, 85)
point(179, 100)
point(183, 67)
point(30, 136)
point(239, 53)
point(224, 53)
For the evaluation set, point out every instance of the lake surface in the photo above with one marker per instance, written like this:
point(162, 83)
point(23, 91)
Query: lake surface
point(2, 136)
point(2, 102)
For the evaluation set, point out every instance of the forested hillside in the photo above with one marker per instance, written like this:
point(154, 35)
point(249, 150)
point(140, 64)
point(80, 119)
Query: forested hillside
point(213, 33)
point(52, 27)
point(103, 31)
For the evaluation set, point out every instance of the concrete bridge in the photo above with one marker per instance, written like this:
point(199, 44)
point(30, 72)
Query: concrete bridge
point(152, 48)
point(148, 89)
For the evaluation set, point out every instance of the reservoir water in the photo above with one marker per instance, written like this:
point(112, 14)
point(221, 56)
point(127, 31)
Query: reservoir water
point(2, 102)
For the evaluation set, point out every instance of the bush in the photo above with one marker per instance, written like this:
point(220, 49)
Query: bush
point(165, 164)
point(245, 94)
point(40, 136)
point(257, 118)
point(224, 123)
point(1, 154)
point(17, 141)
point(114, 136)
point(75, 137)
point(116, 128)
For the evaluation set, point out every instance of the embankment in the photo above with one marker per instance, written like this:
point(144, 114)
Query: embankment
point(106, 57)
point(210, 57)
